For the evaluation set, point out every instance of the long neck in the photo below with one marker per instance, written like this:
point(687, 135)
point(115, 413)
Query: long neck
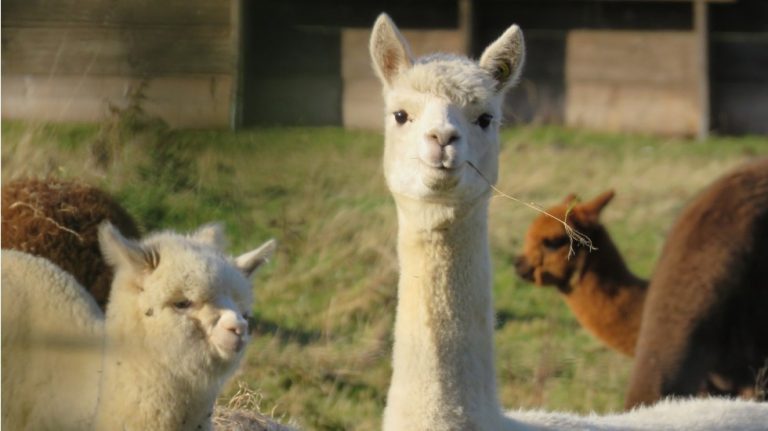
point(606, 297)
point(443, 368)
point(140, 390)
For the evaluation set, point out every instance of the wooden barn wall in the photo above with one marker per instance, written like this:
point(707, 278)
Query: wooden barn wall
point(67, 60)
point(306, 62)
point(541, 95)
point(739, 67)
point(630, 81)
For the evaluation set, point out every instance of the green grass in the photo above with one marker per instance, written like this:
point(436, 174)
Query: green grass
point(325, 306)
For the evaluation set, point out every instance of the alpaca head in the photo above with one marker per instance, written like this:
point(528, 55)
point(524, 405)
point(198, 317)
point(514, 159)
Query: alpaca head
point(545, 259)
point(442, 112)
point(179, 300)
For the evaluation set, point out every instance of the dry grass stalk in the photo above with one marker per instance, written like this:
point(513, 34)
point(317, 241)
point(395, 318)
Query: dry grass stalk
point(39, 214)
point(573, 234)
point(243, 413)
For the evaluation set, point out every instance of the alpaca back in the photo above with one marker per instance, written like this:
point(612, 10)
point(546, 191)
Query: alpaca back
point(705, 310)
point(707, 414)
point(51, 341)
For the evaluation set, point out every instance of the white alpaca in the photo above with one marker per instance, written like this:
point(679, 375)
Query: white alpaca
point(175, 330)
point(443, 114)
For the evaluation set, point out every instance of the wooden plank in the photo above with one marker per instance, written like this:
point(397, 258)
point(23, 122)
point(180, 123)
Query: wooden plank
point(635, 107)
point(630, 56)
point(151, 51)
point(647, 82)
point(356, 62)
point(111, 12)
point(700, 30)
point(182, 101)
point(363, 106)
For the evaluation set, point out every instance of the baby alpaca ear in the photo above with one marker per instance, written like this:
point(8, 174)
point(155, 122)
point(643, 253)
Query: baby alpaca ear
point(249, 262)
point(504, 58)
point(211, 234)
point(121, 252)
point(570, 198)
point(389, 50)
point(589, 212)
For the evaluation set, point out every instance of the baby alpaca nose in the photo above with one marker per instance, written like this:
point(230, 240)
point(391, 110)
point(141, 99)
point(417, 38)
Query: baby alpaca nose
point(443, 137)
point(235, 324)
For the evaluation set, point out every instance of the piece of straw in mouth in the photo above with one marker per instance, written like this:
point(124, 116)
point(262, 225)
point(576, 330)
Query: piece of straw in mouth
point(573, 234)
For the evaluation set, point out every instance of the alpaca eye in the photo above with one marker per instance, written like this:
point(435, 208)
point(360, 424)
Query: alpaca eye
point(401, 116)
point(182, 305)
point(484, 121)
point(555, 243)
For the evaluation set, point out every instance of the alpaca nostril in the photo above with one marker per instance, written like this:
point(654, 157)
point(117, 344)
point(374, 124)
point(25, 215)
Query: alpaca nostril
point(241, 328)
point(443, 138)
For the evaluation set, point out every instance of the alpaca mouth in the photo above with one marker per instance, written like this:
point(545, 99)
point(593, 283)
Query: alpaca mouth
point(441, 179)
point(230, 346)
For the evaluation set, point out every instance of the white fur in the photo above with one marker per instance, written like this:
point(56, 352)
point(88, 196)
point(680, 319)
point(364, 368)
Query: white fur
point(153, 363)
point(443, 369)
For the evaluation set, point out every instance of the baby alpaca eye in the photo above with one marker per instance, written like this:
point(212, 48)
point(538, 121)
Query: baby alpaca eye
point(484, 121)
point(182, 305)
point(556, 242)
point(401, 117)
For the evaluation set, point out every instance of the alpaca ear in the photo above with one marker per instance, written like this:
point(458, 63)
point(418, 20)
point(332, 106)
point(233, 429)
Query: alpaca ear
point(571, 198)
point(389, 50)
point(504, 58)
point(249, 262)
point(211, 234)
point(120, 252)
point(589, 212)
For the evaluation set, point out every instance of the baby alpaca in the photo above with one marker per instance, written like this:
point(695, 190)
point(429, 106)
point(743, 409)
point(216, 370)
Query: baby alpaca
point(440, 131)
point(59, 220)
point(604, 295)
point(175, 330)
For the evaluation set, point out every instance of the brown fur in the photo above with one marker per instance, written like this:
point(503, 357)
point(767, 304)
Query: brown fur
point(606, 298)
point(707, 304)
point(58, 220)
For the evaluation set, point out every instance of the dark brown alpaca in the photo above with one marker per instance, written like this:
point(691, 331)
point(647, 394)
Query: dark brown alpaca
point(58, 220)
point(606, 298)
point(706, 311)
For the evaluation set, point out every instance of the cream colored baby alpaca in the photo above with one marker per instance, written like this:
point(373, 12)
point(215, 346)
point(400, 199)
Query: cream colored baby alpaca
point(175, 330)
point(442, 122)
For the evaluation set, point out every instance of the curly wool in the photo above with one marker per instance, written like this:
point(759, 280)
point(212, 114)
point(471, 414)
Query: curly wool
point(59, 220)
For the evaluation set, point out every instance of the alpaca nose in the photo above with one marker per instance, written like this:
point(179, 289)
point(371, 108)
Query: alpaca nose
point(523, 268)
point(234, 323)
point(240, 327)
point(442, 136)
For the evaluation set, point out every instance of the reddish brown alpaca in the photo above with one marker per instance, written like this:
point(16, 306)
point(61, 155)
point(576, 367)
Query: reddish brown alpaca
point(707, 306)
point(606, 298)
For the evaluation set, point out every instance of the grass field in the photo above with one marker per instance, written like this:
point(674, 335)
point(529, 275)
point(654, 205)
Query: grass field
point(325, 306)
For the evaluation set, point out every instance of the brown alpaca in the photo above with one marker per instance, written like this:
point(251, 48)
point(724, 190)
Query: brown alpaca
point(706, 311)
point(59, 220)
point(606, 298)
point(609, 300)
